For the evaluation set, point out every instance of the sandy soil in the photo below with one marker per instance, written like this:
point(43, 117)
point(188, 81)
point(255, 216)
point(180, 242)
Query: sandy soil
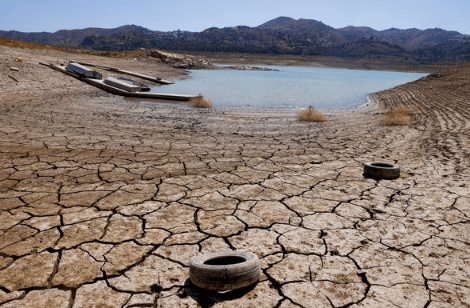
point(104, 200)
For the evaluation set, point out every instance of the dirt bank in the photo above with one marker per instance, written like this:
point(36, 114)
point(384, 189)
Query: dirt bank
point(103, 200)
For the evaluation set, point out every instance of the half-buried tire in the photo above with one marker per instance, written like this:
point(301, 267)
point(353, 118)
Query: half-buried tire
point(224, 270)
point(381, 171)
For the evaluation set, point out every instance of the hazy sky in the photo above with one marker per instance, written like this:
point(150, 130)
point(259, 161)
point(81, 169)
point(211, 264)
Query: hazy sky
point(197, 15)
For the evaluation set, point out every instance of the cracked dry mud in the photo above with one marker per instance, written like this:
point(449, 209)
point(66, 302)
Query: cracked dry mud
point(103, 200)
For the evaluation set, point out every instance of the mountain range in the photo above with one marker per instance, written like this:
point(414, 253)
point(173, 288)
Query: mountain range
point(282, 35)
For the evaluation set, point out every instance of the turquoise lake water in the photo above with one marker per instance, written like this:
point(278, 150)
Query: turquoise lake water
point(288, 88)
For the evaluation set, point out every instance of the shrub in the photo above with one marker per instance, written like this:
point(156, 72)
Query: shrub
point(311, 115)
point(396, 116)
point(201, 102)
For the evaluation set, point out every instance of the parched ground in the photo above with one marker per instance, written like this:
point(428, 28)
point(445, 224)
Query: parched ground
point(104, 200)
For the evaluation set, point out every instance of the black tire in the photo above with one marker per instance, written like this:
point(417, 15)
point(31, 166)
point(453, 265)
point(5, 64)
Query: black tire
point(224, 270)
point(381, 171)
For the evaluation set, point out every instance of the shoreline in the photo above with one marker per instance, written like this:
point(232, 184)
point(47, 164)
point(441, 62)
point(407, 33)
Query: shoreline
point(104, 200)
point(311, 61)
point(371, 106)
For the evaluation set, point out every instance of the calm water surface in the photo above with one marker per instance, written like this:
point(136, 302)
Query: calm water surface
point(291, 87)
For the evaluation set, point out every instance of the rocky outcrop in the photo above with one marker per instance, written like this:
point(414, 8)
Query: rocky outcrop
point(181, 60)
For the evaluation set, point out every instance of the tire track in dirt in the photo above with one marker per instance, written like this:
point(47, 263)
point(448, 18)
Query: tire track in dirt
point(441, 106)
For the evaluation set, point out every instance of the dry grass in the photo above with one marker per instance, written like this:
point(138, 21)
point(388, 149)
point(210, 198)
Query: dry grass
point(201, 102)
point(20, 44)
point(111, 54)
point(311, 115)
point(396, 116)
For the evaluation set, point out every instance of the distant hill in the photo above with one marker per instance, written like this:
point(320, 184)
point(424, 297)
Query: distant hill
point(69, 38)
point(277, 23)
point(283, 35)
point(287, 23)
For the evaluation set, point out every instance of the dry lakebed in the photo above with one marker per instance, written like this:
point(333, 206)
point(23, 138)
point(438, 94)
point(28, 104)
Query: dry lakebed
point(104, 200)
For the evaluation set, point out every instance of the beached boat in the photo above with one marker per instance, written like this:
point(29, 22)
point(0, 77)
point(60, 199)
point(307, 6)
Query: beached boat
point(83, 71)
point(122, 84)
point(174, 97)
point(100, 83)
point(118, 70)
point(143, 87)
